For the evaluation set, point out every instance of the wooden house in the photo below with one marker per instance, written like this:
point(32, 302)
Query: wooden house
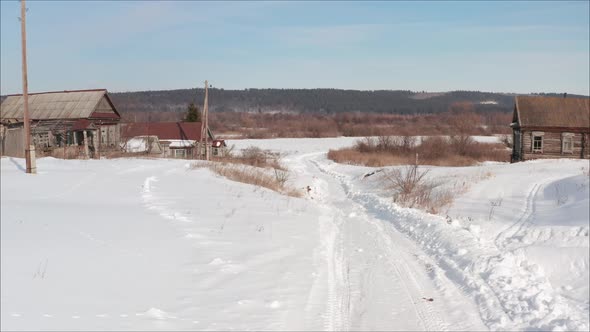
point(551, 127)
point(79, 123)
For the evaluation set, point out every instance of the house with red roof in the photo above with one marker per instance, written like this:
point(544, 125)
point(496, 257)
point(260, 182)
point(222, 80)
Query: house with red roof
point(169, 139)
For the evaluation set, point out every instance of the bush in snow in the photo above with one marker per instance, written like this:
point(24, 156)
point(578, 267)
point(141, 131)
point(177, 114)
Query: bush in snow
point(411, 188)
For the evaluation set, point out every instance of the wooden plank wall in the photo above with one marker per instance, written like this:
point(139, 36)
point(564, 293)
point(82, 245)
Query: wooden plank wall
point(13, 144)
point(552, 146)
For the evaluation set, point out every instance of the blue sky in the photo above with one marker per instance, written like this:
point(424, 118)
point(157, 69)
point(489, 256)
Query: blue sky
point(510, 46)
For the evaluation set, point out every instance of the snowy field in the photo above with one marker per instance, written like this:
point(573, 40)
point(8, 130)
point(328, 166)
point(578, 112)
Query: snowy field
point(145, 244)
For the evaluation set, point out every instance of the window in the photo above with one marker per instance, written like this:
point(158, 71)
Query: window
point(179, 153)
point(567, 143)
point(537, 143)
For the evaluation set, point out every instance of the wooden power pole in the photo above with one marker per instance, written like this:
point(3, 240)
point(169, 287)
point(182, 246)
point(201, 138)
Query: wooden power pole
point(205, 122)
point(29, 149)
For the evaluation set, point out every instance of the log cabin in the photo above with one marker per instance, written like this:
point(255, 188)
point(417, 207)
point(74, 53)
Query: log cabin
point(77, 123)
point(550, 127)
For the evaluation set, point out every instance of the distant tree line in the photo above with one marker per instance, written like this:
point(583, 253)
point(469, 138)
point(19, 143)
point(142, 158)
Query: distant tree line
point(322, 101)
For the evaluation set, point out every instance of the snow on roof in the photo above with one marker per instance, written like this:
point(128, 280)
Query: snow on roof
point(180, 143)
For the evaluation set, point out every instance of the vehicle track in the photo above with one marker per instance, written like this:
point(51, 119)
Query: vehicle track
point(345, 310)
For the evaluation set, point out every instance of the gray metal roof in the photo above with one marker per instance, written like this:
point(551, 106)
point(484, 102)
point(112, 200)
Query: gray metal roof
point(53, 105)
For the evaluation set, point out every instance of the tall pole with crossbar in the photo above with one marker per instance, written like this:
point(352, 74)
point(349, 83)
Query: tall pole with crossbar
point(29, 149)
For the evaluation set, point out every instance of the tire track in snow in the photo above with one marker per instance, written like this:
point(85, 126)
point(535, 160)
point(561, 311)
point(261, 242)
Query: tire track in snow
point(429, 318)
point(503, 236)
point(339, 306)
point(335, 317)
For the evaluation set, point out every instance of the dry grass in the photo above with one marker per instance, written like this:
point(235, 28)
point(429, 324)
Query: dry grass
point(254, 166)
point(254, 156)
point(437, 151)
point(77, 152)
point(352, 156)
point(266, 125)
point(412, 188)
point(275, 180)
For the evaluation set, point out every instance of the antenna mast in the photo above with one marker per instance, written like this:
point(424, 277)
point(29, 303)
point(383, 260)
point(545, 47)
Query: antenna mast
point(205, 122)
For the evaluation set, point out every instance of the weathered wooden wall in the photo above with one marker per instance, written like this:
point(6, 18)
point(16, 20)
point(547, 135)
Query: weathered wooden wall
point(110, 135)
point(13, 144)
point(552, 146)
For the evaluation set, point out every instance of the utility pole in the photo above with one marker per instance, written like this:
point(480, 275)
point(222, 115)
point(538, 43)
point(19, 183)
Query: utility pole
point(205, 121)
point(29, 149)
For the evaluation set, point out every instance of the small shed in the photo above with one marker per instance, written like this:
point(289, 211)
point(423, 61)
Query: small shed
point(550, 127)
point(143, 144)
point(177, 139)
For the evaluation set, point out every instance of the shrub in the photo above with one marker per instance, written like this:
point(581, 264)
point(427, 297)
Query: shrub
point(251, 175)
point(440, 151)
point(411, 188)
point(253, 166)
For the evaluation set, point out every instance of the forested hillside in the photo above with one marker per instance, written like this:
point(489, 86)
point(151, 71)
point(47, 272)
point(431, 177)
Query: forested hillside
point(326, 101)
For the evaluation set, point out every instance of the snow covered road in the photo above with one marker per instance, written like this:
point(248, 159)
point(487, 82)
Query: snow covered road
point(374, 277)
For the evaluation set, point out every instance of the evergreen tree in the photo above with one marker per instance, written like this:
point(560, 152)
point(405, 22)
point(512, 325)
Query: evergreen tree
point(193, 114)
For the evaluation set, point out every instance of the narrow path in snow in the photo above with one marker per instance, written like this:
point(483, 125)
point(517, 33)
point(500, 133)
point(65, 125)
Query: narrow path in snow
point(373, 277)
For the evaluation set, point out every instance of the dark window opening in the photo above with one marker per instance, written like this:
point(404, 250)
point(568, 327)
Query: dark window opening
point(538, 144)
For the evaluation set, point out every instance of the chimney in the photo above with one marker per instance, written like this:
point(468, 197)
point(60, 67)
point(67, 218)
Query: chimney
point(564, 94)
